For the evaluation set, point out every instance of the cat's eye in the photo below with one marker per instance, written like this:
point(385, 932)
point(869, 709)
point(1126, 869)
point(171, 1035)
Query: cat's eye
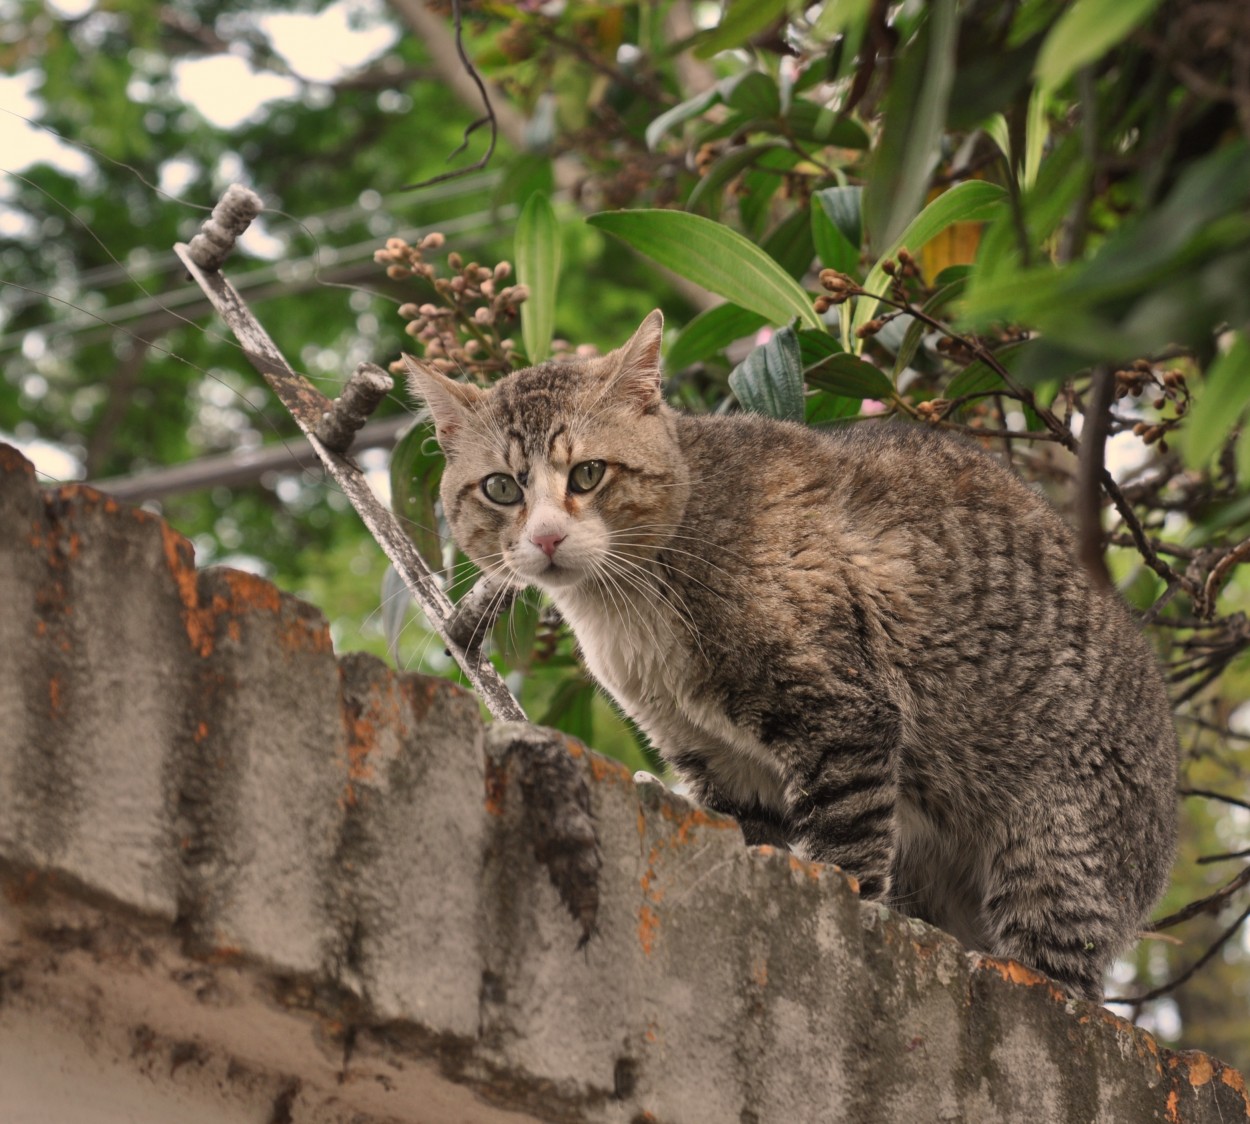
point(586, 475)
point(499, 487)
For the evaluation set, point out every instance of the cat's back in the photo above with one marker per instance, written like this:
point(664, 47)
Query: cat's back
point(960, 585)
point(882, 474)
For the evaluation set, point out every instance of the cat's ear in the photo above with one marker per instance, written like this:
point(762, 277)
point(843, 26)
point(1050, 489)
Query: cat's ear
point(637, 363)
point(449, 402)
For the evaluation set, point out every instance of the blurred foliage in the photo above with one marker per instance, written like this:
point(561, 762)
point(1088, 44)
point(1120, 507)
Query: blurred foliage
point(1010, 218)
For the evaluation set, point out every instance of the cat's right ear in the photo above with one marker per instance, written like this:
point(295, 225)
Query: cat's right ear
point(449, 401)
point(638, 362)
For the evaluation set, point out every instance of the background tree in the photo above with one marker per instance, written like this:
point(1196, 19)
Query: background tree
point(1023, 221)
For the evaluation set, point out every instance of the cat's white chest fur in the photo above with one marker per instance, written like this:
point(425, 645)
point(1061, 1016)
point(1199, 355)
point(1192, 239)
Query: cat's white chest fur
point(630, 643)
point(640, 651)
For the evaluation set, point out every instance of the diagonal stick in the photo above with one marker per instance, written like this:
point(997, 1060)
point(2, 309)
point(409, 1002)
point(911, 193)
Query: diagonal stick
point(311, 408)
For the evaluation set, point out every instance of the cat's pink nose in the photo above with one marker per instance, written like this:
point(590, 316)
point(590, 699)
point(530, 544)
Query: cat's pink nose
point(547, 543)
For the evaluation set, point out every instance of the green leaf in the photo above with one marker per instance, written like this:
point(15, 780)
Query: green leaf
point(710, 332)
point(741, 21)
point(808, 121)
point(823, 409)
point(978, 377)
point(836, 228)
point(815, 346)
point(1087, 30)
point(790, 244)
point(966, 202)
point(712, 255)
point(770, 380)
point(572, 708)
point(538, 267)
point(911, 133)
point(850, 376)
point(758, 186)
point(684, 111)
point(726, 167)
point(754, 94)
point(416, 468)
point(838, 16)
point(1224, 395)
point(1036, 136)
point(911, 342)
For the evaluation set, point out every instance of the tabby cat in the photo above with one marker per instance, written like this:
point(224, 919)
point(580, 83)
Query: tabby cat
point(873, 645)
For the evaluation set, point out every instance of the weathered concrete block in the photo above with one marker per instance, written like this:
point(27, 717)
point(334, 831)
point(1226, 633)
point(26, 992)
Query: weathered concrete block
point(261, 784)
point(239, 875)
point(94, 666)
point(411, 847)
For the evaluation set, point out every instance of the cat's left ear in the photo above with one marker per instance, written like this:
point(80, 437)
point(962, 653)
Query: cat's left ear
point(637, 363)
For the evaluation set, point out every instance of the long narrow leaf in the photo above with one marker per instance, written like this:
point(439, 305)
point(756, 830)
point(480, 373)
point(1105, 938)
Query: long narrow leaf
point(741, 20)
point(1085, 31)
point(538, 268)
point(711, 331)
point(712, 255)
point(851, 377)
point(671, 118)
point(911, 134)
point(1222, 397)
point(972, 201)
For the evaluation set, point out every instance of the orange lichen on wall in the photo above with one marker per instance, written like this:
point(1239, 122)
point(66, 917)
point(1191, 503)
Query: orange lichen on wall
point(359, 768)
point(496, 788)
point(1016, 973)
point(812, 870)
point(605, 768)
point(13, 461)
point(648, 928)
point(180, 558)
point(1199, 1070)
point(687, 819)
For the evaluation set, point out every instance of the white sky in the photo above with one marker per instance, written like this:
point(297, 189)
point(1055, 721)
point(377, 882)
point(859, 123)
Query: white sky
point(223, 88)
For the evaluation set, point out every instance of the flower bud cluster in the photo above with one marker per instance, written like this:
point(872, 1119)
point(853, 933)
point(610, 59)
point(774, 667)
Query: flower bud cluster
point(1139, 378)
point(840, 288)
point(463, 329)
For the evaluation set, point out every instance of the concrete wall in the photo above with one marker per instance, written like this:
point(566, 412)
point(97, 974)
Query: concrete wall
point(245, 880)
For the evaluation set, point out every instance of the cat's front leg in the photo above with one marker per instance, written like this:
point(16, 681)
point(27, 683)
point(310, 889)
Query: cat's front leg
point(760, 825)
point(841, 754)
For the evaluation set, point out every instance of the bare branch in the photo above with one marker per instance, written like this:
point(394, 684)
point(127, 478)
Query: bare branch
point(1237, 803)
point(1171, 985)
point(488, 118)
point(307, 405)
point(1090, 469)
point(1210, 904)
point(1224, 856)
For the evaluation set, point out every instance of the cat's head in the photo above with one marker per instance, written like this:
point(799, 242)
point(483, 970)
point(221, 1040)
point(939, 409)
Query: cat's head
point(561, 473)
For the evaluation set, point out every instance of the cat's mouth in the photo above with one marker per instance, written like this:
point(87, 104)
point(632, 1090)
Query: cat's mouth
point(554, 574)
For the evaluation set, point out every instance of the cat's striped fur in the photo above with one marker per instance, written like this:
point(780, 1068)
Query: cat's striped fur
point(875, 645)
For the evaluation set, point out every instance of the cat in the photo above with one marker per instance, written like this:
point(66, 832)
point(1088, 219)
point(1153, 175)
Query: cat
point(873, 645)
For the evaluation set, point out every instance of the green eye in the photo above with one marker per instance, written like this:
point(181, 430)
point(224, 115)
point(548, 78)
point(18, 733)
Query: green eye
point(586, 475)
point(499, 487)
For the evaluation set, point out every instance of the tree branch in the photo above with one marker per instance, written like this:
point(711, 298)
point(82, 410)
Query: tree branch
point(1090, 470)
point(308, 406)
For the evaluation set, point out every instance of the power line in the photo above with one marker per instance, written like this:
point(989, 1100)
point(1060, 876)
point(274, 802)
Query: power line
point(155, 313)
point(243, 466)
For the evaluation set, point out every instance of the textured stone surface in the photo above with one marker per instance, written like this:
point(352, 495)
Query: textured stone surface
point(245, 880)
